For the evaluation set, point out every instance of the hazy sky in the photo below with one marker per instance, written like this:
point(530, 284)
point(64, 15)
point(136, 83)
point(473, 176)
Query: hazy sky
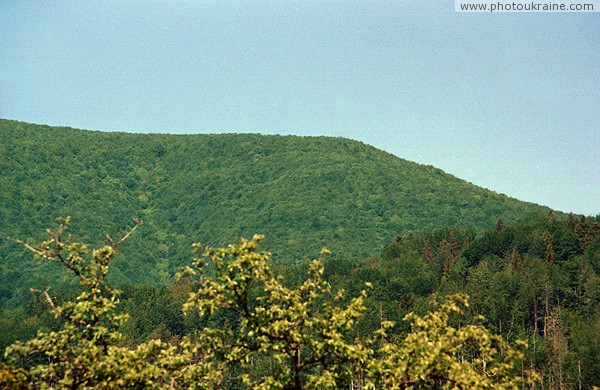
point(510, 102)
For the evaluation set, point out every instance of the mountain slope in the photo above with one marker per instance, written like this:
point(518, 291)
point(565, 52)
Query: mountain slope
point(302, 192)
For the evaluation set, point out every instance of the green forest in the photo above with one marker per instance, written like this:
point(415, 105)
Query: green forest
point(511, 307)
point(421, 280)
point(302, 193)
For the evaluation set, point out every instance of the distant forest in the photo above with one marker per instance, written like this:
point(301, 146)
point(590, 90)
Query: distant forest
point(422, 280)
point(302, 193)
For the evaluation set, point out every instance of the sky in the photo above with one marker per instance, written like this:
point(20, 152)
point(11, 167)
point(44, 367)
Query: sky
point(506, 101)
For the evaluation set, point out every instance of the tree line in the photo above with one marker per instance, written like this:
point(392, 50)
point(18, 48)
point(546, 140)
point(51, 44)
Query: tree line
point(253, 329)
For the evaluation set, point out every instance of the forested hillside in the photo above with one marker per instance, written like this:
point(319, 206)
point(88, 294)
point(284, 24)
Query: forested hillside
point(537, 281)
point(530, 317)
point(303, 193)
point(402, 231)
point(249, 331)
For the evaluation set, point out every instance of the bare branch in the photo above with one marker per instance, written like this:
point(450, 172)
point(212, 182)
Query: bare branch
point(114, 244)
point(109, 239)
point(46, 254)
point(48, 299)
point(138, 223)
point(37, 251)
point(46, 295)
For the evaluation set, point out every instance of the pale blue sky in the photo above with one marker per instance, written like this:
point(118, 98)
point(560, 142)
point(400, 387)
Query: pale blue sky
point(510, 102)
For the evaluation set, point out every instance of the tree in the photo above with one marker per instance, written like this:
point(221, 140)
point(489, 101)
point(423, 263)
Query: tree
point(261, 334)
point(306, 338)
point(427, 253)
point(437, 355)
point(587, 229)
point(85, 351)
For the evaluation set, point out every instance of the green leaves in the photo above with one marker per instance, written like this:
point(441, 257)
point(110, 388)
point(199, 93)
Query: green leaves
point(261, 334)
point(307, 339)
point(304, 192)
point(435, 354)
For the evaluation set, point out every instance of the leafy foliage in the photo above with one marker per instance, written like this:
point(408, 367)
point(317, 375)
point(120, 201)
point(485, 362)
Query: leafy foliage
point(437, 355)
point(85, 351)
point(279, 338)
point(304, 336)
point(301, 192)
point(537, 280)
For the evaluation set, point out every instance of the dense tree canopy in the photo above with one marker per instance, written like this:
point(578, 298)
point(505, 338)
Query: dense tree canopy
point(268, 336)
point(252, 318)
point(303, 193)
point(537, 281)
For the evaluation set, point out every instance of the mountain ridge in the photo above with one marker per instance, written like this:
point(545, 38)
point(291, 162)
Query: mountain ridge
point(303, 193)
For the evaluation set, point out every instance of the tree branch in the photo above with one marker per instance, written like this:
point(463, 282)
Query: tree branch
point(46, 295)
point(114, 244)
point(48, 255)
